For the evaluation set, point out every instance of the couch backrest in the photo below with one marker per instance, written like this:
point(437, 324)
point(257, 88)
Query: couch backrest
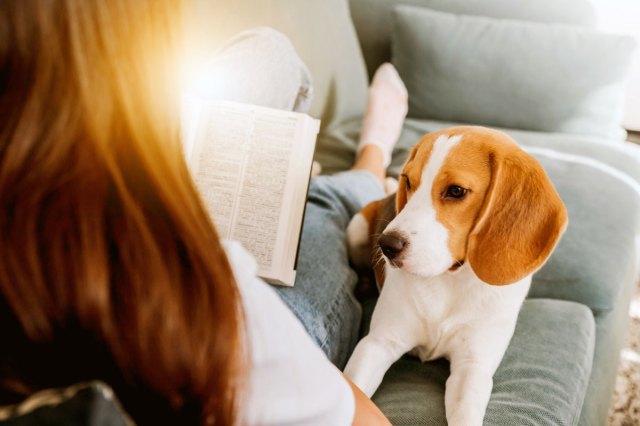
point(372, 18)
point(322, 33)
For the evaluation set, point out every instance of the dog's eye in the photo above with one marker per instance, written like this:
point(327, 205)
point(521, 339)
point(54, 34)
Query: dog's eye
point(455, 191)
point(406, 181)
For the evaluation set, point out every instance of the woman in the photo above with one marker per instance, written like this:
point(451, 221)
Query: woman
point(110, 267)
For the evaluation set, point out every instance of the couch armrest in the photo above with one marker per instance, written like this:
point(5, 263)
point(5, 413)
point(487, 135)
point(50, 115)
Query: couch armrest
point(597, 255)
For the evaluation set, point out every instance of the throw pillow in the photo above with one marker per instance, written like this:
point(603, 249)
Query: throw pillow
point(508, 73)
point(372, 18)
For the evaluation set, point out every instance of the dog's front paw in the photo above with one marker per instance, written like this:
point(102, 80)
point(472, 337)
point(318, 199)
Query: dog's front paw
point(467, 394)
point(465, 416)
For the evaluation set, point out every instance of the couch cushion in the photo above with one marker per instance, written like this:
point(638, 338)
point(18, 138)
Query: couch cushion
point(508, 73)
point(622, 156)
point(336, 148)
point(339, 146)
point(373, 18)
point(322, 33)
point(542, 379)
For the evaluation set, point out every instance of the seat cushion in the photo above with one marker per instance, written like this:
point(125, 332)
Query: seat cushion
point(337, 150)
point(622, 156)
point(542, 379)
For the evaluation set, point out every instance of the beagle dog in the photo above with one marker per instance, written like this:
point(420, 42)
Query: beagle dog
point(453, 252)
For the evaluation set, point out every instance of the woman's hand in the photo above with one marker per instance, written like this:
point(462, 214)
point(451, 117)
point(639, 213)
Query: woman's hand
point(366, 412)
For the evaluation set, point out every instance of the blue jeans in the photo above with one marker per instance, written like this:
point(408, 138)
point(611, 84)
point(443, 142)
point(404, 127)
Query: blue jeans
point(323, 295)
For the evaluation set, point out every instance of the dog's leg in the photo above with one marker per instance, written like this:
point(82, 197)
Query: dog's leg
point(467, 393)
point(370, 361)
point(475, 356)
point(394, 331)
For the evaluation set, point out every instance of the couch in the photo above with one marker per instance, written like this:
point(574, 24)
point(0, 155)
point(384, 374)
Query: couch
point(561, 365)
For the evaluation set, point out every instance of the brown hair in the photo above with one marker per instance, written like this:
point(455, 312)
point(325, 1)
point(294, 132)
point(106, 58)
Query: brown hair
point(109, 267)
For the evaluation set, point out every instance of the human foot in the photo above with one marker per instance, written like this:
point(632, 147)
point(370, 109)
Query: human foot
point(386, 110)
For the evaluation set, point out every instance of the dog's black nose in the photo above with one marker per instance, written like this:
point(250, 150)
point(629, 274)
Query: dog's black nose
point(391, 245)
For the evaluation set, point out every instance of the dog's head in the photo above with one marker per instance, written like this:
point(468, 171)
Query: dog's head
point(470, 194)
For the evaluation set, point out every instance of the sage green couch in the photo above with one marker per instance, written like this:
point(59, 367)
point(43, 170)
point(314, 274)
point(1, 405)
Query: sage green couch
point(561, 364)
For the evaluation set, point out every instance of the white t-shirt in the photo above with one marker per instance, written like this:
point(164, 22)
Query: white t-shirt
point(290, 381)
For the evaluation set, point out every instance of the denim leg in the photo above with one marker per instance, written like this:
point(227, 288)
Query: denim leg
point(322, 297)
point(260, 67)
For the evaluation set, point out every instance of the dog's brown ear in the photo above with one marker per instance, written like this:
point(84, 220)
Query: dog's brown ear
point(401, 194)
point(386, 213)
point(520, 223)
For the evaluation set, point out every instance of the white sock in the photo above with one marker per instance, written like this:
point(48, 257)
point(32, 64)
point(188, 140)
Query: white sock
point(387, 108)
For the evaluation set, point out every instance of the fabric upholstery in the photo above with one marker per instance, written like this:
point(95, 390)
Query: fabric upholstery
point(322, 33)
point(336, 147)
point(373, 18)
point(339, 144)
point(508, 73)
point(543, 376)
point(624, 157)
point(542, 379)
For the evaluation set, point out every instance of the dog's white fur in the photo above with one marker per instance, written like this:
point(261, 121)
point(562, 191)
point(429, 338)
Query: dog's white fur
point(427, 254)
point(432, 312)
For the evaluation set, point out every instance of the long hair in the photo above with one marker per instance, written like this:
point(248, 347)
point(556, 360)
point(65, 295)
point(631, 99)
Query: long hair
point(109, 265)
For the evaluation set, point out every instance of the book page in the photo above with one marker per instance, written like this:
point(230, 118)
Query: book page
point(261, 193)
point(241, 165)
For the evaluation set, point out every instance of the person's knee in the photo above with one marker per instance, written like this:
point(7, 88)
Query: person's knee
point(269, 37)
point(259, 66)
point(285, 65)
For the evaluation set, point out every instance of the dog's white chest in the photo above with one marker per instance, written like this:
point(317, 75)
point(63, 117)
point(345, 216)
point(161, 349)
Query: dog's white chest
point(452, 310)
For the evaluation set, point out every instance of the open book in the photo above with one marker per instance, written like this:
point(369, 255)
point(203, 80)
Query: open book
point(252, 167)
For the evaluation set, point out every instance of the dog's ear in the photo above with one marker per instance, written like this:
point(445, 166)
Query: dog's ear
point(520, 223)
point(401, 194)
point(386, 213)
